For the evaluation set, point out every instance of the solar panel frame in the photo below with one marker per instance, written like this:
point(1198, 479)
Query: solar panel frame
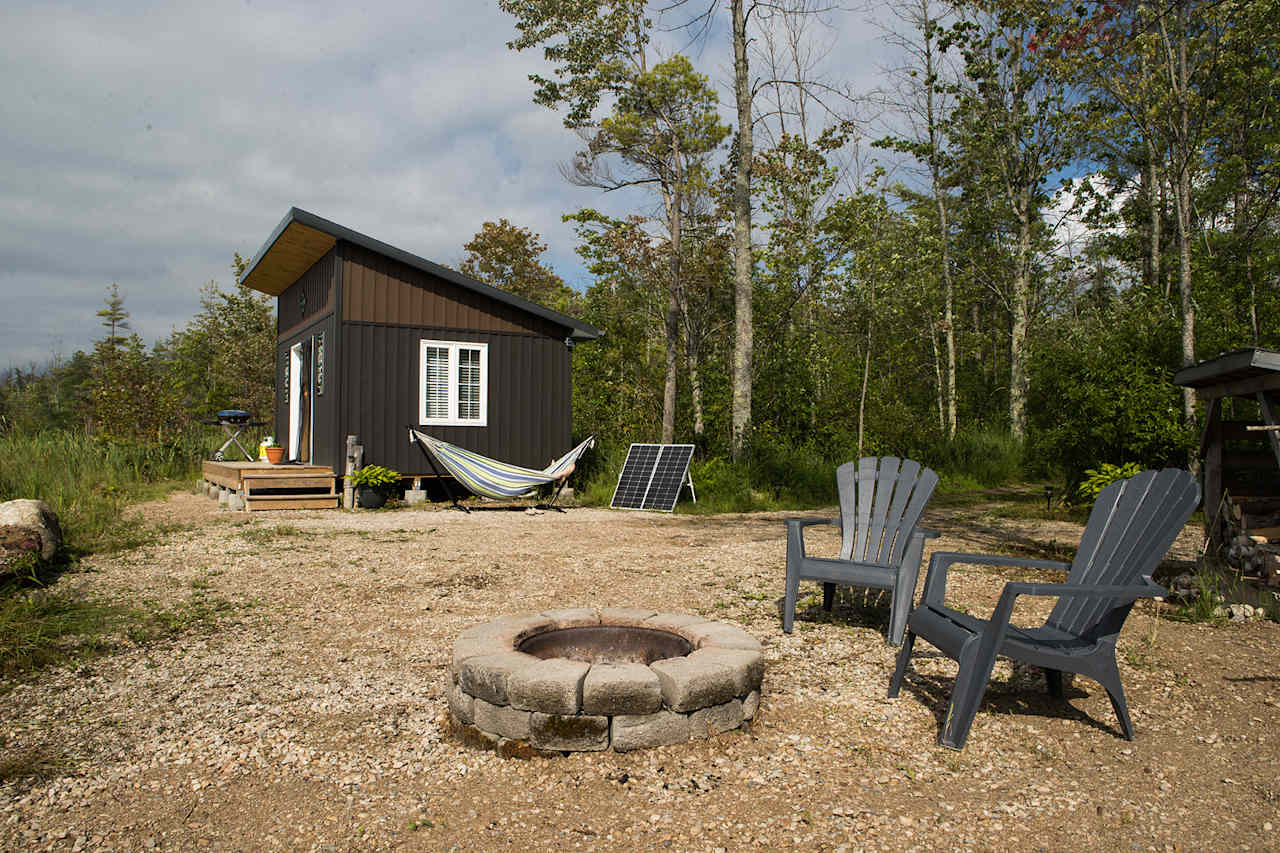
point(652, 476)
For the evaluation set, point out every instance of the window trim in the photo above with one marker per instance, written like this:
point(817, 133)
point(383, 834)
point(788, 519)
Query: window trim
point(453, 347)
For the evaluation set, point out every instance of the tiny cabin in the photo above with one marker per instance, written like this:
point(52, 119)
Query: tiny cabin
point(372, 339)
point(1240, 451)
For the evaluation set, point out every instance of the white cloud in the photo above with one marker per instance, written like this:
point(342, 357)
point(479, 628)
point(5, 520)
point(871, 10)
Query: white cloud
point(144, 143)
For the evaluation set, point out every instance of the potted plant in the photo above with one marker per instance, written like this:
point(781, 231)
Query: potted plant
point(275, 453)
point(372, 483)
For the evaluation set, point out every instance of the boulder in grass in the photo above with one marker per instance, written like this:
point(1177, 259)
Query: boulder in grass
point(28, 528)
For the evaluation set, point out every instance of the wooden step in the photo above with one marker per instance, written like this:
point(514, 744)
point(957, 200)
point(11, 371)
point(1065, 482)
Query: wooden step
point(286, 481)
point(264, 502)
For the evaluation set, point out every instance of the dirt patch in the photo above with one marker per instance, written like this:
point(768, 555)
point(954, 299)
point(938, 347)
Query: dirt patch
point(313, 716)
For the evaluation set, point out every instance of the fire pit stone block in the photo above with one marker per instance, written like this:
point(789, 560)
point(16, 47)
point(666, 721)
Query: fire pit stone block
point(485, 677)
point(689, 684)
point(551, 686)
point(747, 666)
point(502, 720)
point(644, 731)
point(573, 617)
point(629, 616)
point(675, 622)
point(461, 705)
point(579, 733)
point(624, 688)
point(715, 719)
point(719, 635)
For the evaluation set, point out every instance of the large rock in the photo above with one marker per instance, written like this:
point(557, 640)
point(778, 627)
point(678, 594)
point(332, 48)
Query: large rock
point(27, 528)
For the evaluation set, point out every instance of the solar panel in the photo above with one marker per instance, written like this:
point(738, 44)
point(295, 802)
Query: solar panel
point(652, 476)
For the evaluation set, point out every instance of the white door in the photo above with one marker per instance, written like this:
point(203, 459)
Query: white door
point(300, 401)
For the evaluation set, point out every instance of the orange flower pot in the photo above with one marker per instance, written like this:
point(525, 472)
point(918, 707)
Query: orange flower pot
point(275, 455)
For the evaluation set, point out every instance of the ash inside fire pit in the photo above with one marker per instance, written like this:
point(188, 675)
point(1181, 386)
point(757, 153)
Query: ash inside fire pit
point(607, 644)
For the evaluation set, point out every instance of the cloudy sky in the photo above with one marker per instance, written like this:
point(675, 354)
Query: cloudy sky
point(144, 143)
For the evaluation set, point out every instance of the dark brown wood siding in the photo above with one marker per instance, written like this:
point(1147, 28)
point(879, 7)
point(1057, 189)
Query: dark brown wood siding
point(378, 289)
point(529, 419)
point(308, 298)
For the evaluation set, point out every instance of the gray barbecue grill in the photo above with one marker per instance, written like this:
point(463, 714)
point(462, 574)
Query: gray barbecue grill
point(233, 423)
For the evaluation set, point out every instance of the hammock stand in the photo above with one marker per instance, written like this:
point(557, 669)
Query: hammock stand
point(489, 477)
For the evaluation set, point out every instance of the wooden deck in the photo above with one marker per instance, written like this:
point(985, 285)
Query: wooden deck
point(261, 485)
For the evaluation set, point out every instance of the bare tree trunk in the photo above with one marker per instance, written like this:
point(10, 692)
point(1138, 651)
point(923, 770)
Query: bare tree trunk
point(935, 173)
point(695, 391)
point(1156, 197)
point(742, 284)
point(862, 398)
point(1021, 320)
point(937, 371)
point(671, 324)
point(948, 311)
point(1184, 215)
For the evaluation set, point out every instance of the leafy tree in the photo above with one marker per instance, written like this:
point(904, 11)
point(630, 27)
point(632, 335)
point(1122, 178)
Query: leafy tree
point(225, 357)
point(1014, 131)
point(508, 257)
point(662, 130)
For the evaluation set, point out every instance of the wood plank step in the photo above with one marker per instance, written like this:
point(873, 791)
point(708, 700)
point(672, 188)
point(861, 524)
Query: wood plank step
point(267, 475)
point(293, 482)
point(294, 497)
point(291, 502)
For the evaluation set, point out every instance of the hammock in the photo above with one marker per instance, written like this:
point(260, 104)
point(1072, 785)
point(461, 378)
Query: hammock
point(493, 479)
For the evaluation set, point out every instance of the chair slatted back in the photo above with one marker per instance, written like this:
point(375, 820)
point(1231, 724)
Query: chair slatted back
point(1132, 525)
point(881, 501)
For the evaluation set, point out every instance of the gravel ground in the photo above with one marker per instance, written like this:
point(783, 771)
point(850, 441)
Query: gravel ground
point(308, 713)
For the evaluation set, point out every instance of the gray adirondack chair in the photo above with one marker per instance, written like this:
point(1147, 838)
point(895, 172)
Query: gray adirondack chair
point(880, 505)
point(1132, 525)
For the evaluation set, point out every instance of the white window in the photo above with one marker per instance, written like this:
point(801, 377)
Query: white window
point(454, 387)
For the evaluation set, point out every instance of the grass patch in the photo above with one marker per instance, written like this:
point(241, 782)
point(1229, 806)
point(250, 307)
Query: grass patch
point(89, 481)
point(41, 627)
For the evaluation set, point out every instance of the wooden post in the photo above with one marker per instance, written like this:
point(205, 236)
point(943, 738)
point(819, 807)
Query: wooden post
point(355, 458)
point(1211, 452)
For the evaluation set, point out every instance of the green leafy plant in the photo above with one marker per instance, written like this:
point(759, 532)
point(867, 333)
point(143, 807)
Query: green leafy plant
point(1097, 479)
point(375, 477)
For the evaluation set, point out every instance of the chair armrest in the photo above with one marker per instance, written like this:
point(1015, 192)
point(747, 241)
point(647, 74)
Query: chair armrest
point(1062, 590)
point(935, 583)
point(795, 534)
point(1004, 607)
point(806, 522)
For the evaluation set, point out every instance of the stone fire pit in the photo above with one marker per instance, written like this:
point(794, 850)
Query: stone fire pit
point(587, 679)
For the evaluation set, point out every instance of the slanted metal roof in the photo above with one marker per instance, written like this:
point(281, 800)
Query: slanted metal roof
point(1229, 367)
point(303, 238)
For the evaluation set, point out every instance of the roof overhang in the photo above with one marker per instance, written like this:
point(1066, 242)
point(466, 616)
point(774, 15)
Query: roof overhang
point(1230, 369)
point(303, 238)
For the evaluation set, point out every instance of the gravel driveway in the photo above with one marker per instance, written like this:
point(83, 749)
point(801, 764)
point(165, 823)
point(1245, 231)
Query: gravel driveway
point(302, 705)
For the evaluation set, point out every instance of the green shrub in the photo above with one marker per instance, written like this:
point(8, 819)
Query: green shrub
point(375, 477)
point(1097, 479)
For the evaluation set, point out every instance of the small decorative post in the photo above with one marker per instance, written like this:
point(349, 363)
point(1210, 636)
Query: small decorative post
point(355, 455)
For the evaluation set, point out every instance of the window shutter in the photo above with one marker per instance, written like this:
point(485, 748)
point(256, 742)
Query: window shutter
point(468, 384)
point(435, 378)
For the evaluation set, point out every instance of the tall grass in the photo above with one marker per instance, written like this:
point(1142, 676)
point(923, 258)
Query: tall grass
point(779, 476)
point(88, 481)
point(979, 459)
point(773, 478)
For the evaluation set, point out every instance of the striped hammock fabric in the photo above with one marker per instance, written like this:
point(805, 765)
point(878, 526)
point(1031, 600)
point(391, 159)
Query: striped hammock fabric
point(488, 477)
